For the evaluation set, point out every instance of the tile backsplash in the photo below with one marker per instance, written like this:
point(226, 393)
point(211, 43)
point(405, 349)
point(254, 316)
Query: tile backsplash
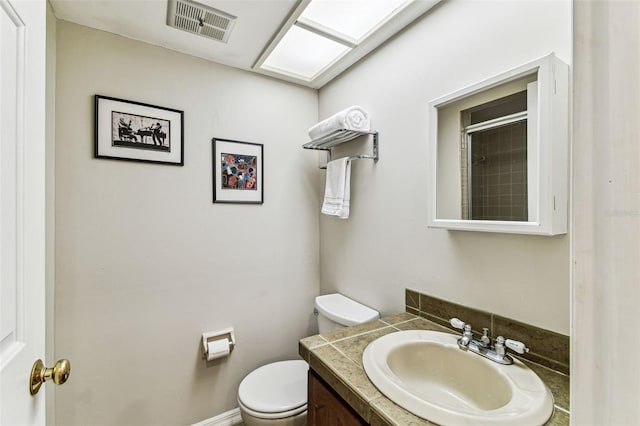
point(546, 347)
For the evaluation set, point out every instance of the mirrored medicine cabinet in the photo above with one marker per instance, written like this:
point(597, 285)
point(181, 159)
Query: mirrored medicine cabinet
point(498, 152)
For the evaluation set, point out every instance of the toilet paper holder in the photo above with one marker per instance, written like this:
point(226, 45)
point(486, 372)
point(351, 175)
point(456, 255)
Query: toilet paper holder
point(223, 334)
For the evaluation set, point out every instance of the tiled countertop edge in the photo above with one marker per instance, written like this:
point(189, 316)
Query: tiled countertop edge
point(337, 357)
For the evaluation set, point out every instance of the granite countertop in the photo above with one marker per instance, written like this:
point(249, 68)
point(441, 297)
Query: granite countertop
point(337, 358)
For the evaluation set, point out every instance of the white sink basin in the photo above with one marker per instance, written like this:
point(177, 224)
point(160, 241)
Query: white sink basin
point(426, 373)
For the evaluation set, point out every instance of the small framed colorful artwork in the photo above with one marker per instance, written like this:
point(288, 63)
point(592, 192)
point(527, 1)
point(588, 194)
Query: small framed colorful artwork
point(237, 172)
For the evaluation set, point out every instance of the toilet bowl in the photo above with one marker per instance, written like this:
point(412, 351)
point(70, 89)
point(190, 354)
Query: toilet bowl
point(276, 393)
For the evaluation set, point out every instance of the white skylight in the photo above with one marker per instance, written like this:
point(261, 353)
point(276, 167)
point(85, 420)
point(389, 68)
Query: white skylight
point(351, 18)
point(303, 53)
point(322, 38)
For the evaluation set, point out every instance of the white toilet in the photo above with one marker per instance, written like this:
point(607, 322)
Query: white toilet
point(276, 393)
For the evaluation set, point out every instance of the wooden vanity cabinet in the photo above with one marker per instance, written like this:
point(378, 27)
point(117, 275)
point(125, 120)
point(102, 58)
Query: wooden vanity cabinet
point(326, 408)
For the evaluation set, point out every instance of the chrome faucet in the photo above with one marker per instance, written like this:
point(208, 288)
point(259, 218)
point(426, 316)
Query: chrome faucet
point(485, 340)
point(483, 345)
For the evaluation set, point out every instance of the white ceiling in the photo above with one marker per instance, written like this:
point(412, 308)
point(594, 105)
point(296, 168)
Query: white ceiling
point(145, 20)
point(258, 23)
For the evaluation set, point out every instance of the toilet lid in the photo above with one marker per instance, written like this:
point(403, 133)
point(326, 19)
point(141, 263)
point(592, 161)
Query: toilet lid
point(274, 388)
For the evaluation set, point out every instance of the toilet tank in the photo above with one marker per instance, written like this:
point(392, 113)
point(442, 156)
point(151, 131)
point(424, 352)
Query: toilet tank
point(337, 311)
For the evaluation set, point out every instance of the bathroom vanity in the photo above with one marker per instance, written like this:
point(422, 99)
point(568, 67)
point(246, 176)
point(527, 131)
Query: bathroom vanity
point(326, 407)
point(339, 388)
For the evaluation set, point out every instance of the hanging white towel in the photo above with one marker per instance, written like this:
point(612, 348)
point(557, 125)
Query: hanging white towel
point(352, 118)
point(337, 193)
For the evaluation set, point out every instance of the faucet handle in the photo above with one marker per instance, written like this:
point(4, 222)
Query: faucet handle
point(457, 323)
point(516, 346)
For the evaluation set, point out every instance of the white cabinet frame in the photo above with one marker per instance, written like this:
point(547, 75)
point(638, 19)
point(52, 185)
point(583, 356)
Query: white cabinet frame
point(548, 184)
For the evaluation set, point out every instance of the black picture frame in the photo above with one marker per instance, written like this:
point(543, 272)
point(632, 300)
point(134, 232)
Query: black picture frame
point(238, 171)
point(136, 131)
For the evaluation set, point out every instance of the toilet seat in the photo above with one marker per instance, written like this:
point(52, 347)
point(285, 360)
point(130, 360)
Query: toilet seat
point(272, 416)
point(275, 390)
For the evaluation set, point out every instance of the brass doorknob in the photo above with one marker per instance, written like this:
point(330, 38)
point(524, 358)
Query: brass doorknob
point(40, 374)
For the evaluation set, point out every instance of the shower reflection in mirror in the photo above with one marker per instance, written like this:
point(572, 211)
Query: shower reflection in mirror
point(494, 160)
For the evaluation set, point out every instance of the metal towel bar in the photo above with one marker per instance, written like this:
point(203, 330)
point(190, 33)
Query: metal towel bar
point(339, 137)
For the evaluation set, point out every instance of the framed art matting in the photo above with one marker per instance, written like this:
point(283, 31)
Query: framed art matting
point(127, 130)
point(237, 172)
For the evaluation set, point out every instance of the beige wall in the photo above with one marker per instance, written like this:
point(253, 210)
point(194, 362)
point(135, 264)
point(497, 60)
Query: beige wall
point(606, 205)
point(385, 245)
point(145, 262)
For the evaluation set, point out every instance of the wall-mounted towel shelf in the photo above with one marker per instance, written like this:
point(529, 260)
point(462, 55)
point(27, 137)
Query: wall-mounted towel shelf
point(339, 137)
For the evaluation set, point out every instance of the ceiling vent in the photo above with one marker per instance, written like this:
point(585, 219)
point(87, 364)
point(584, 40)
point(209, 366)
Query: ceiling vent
point(199, 19)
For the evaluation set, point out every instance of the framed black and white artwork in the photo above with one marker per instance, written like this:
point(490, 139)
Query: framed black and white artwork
point(134, 131)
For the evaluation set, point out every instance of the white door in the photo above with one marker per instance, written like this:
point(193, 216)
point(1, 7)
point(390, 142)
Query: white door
point(22, 206)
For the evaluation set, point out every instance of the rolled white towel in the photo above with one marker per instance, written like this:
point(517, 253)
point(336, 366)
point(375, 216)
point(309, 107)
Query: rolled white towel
point(352, 118)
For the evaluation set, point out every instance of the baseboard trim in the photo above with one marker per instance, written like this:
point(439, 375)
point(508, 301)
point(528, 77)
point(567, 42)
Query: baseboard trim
point(231, 417)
